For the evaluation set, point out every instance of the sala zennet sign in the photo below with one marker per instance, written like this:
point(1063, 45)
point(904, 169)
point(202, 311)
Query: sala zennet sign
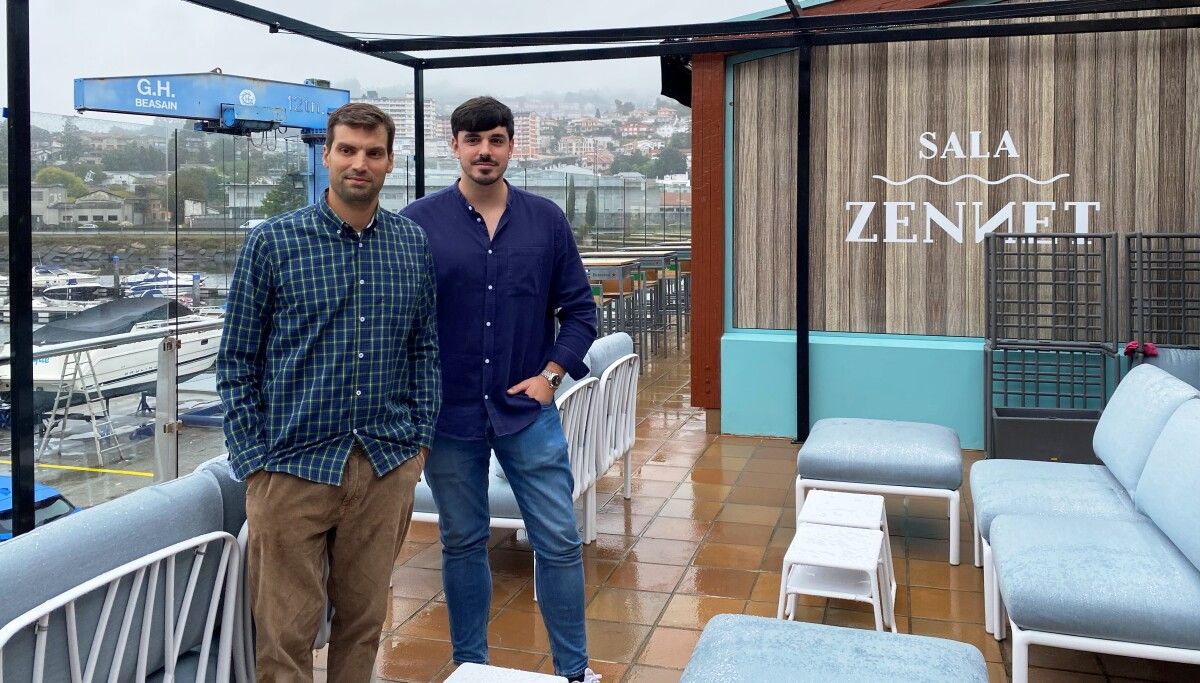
point(908, 222)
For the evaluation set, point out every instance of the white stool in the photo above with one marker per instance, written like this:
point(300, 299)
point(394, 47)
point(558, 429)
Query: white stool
point(858, 510)
point(479, 673)
point(837, 562)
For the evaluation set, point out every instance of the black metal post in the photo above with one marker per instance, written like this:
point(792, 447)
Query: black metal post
point(803, 112)
point(419, 129)
point(20, 265)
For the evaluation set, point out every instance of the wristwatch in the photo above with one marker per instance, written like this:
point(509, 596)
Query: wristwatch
point(553, 378)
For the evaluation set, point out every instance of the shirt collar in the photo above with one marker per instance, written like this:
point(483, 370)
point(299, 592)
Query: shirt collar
point(470, 208)
point(336, 223)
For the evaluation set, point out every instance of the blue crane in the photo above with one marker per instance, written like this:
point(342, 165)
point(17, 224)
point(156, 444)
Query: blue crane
point(221, 103)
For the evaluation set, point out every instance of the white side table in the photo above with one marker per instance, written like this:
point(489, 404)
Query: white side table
point(837, 562)
point(858, 510)
point(479, 673)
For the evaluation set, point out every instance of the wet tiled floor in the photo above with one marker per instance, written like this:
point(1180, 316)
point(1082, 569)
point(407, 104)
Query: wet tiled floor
point(704, 534)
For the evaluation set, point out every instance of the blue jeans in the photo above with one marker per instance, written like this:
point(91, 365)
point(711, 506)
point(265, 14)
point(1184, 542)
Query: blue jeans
point(537, 467)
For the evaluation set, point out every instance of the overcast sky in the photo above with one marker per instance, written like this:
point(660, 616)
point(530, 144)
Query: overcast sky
point(88, 38)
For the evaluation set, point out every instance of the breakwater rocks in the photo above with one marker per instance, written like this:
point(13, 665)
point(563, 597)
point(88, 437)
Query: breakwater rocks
point(204, 253)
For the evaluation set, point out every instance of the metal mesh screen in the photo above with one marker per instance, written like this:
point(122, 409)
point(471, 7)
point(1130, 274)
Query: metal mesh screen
point(1025, 377)
point(1051, 288)
point(1164, 284)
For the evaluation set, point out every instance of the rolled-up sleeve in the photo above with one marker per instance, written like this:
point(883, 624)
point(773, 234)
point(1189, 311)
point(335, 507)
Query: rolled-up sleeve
point(571, 294)
point(241, 359)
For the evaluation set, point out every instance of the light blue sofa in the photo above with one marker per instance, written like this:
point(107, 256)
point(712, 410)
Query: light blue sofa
point(1126, 586)
point(735, 648)
point(1141, 405)
point(58, 557)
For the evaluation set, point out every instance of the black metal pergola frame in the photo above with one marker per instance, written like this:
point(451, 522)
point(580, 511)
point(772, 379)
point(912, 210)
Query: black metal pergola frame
point(796, 31)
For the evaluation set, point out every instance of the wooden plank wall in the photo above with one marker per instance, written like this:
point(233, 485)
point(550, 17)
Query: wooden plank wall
point(764, 181)
point(1116, 112)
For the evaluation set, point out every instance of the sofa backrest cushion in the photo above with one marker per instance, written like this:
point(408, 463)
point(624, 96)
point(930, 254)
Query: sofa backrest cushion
point(1183, 363)
point(1169, 490)
point(608, 350)
point(57, 557)
point(1133, 418)
point(604, 352)
point(233, 493)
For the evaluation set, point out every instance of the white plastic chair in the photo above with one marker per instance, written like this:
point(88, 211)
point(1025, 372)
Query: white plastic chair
point(618, 411)
point(140, 606)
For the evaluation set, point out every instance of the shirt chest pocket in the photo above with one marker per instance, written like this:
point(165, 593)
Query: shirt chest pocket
point(395, 294)
point(528, 272)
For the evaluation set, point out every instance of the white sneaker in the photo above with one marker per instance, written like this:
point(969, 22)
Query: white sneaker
point(590, 676)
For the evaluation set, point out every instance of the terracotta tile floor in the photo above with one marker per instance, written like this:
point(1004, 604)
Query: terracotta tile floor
point(704, 534)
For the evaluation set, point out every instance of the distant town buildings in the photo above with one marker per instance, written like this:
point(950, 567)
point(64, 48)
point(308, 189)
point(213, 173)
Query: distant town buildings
point(125, 175)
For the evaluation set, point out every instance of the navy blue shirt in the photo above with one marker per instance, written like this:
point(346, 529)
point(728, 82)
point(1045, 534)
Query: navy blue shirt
point(497, 301)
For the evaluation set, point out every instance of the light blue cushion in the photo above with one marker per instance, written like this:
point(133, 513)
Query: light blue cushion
point(1169, 490)
point(604, 352)
point(1028, 487)
point(742, 649)
point(1109, 579)
point(1133, 418)
point(233, 493)
point(886, 452)
point(54, 558)
point(1182, 363)
point(501, 501)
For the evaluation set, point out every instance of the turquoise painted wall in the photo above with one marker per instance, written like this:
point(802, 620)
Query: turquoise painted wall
point(897, 377)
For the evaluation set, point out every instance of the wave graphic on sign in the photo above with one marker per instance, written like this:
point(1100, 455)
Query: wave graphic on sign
point(1005, 179)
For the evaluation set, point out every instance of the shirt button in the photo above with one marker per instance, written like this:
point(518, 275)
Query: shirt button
point(354, 431)
point(360, 355)
point(489, 251)
point(488, 324)
point(487, 360)
point(362, 320)
point(478, 220)
point(362, 282)
point(470, 208)
point(489, 286)
point(485, 397)
point(360, 244)
point(358, 393)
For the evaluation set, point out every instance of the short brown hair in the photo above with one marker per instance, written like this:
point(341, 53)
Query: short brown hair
point(361, 115)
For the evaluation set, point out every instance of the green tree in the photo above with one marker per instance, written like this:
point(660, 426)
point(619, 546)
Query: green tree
point(671, 161)
point(589, 210)
point(52, 175)
point(199, 183)
point(283, 197)
point(570, 204)
point(72, 142)
point(134, 157)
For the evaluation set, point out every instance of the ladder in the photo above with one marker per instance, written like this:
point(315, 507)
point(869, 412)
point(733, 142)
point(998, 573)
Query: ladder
point(78, 378)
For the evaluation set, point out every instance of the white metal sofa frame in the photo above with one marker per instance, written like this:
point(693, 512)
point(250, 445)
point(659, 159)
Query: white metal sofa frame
point(223, 600)
point(576, 410)
point(618, 413)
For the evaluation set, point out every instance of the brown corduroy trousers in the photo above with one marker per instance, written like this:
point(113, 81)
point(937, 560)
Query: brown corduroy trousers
point(293, 525)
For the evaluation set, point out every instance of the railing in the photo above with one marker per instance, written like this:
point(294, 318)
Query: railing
point(166, 407)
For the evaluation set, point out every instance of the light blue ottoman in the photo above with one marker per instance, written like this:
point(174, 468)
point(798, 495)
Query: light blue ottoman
point(735, 648)
point(883, 456)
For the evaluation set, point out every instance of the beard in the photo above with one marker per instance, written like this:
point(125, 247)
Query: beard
point(476, 173)
point(356, 194)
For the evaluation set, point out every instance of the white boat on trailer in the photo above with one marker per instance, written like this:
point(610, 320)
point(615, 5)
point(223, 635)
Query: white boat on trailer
point(124, 368)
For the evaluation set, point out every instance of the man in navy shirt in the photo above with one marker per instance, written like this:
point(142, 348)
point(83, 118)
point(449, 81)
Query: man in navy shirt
point(506, 266)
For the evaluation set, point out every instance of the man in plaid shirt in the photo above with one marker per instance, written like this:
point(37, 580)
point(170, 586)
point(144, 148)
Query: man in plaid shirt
point(329, 376)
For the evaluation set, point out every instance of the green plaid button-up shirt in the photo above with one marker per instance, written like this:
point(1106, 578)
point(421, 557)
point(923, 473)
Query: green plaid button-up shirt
point(330, 337)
